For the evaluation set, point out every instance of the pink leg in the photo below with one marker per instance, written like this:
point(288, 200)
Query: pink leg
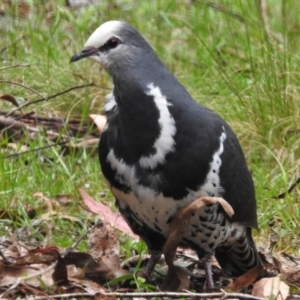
point(154, 258)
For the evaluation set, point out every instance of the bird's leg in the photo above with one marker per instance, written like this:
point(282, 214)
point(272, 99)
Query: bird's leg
point(154, 258)
point(208, 274)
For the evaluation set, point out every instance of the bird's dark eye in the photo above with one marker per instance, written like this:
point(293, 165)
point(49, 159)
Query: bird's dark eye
point(113, 42)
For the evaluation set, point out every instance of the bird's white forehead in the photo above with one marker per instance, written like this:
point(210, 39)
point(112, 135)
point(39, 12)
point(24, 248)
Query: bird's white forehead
point(100, 36)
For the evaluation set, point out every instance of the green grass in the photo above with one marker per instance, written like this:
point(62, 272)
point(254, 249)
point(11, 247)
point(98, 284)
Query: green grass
point(224, 55)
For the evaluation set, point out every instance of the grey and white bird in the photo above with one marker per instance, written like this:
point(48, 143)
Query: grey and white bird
point(160, 150)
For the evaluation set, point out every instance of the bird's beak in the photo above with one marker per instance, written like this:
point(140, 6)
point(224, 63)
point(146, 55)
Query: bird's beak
point(85, 52)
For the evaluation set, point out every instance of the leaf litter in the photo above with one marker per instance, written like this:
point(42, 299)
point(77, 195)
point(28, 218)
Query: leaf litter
point(45, 271)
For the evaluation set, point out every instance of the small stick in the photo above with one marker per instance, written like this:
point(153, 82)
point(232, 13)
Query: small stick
point(15, 66)
point(291, 188)
point(20, 279)
point(47, 98)
point(220, 295)
point(25, 87)
point(20, 125)
point(80, 239)
point(35, 149)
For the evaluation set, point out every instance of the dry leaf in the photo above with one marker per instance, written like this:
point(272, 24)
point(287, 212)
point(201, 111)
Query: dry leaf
point(100, 121)
point(80, 260)
point(38, 256)
point(177, 280)
point(104, 245)
point(106, 214)
point(60, 274)
point(103, 262)
point(272, 288)
point(245, 280)
point(99, 296)
point(10, 273)
point(10, 99)
point(291, 275)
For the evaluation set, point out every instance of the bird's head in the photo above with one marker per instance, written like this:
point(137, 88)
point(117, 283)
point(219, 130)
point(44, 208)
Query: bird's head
point(114, 45)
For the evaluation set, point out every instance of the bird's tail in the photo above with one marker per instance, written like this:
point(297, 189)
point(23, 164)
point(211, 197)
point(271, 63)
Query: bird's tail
point(240, 257)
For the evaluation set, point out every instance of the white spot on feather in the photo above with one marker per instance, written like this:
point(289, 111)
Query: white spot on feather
point(110, 102)
point(165, 142)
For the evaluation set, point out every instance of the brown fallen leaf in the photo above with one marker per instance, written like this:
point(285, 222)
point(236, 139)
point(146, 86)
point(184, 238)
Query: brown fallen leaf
point(38, 256)
point(245, 280)
point(10, 270)
point(103, 273)
point(80, 260)
point(99, 296)
point(32, 268)
point(100, 121)
point(176, 279)
point(60, 274)
point(291, 275)
point(104, 245)
point(102, 263)
point(10, 99)
point(23, 10)
point(271, 288)
point(106, 214)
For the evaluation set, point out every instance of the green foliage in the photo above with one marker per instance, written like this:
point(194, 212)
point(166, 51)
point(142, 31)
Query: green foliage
point(233, 56)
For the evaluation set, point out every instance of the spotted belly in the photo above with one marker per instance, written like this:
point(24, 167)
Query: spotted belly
point(150, 218)
point(211, 228)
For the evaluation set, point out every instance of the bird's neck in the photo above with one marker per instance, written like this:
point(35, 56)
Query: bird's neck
point(144, 119)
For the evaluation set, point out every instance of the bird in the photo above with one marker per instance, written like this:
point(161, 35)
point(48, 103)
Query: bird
point(160, 150)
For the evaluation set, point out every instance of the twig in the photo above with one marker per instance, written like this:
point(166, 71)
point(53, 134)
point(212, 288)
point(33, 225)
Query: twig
point(20, 125)
point(34, 150)
point(218, 7)
point(25, 87)
point(4, 259)
point(13, 44)
point(15, 66)
point(21, 115)
point(87, 143)
point(31, 116)
point(291, 188)
point(61, 296)
point(134, 260)
point(221, 295)
point(80, 238)
point(20, 279)
point(50, 97)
